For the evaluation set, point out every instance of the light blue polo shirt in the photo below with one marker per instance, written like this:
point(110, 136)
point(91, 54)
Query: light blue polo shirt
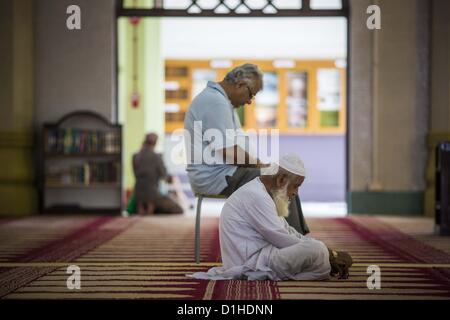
point(213, 108)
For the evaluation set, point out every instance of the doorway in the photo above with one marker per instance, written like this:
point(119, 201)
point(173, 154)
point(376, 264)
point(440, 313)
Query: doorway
point(305, 68)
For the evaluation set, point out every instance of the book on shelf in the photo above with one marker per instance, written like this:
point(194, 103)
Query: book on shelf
point(87, 173)
point(81, 141)
point(176, 94)
point(175, 116)
point(180, 71)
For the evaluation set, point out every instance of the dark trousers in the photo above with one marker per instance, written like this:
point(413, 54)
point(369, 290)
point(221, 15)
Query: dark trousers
point(243, 175)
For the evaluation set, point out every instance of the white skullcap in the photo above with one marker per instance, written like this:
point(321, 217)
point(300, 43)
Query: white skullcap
point(290, 162)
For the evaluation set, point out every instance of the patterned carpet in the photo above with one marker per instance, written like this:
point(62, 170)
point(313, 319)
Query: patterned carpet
point(148, 258)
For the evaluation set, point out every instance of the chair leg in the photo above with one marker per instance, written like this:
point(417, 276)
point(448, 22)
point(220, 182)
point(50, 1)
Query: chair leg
point(197, 229)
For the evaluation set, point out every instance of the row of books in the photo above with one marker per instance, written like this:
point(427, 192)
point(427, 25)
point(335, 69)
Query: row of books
point(176, 94)
point(73, 141)
point(87, 173)
point(175, 116)
point(176, 71)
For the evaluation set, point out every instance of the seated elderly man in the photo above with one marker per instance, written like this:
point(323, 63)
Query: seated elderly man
point(256, 241)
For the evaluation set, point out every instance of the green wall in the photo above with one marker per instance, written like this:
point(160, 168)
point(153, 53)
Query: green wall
point(384, 202)
point(18, 194)
point(149, 115)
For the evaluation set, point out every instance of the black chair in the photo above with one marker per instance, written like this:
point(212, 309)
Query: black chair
point(442, 218)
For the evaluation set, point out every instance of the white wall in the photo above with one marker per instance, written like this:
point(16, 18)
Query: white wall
point(254, 38)
point(75, 69)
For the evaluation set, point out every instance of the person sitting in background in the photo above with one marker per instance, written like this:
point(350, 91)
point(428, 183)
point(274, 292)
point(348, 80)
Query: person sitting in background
point(149, 169)
point(256, 241)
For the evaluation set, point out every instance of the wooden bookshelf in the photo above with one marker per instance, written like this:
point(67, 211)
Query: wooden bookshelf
point(81, 165)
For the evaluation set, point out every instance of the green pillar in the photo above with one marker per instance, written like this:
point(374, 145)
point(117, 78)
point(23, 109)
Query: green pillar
point(146, 59)
point(18, 195)
point(154, 80)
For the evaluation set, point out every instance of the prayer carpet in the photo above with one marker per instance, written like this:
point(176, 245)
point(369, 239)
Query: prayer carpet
point(148, 258)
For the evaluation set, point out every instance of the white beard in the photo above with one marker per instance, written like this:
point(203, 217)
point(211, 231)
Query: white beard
point(281, 199)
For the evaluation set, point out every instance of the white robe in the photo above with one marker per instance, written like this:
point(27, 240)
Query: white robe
point(257, 244)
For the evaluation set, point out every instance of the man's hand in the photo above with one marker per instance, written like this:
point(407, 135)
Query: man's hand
point(340, 262)
point(239, 157)
point(262, 165)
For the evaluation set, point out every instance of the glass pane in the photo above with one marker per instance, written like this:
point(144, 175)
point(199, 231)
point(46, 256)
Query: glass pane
point(267, 102)
point(297, 107)
point(287, 4)
point(138, 4)
point(232, 3)
point(329, 96)
point(326, 4)
point(256, 4)
point(176, 4)
point(200, 78)
point(207, 4)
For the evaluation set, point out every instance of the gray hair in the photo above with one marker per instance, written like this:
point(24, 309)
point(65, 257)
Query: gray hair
point(247, 72)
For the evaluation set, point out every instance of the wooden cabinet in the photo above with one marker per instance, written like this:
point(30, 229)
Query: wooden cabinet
point(298, 97)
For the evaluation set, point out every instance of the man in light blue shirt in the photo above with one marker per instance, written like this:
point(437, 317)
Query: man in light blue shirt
point(212, 123)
